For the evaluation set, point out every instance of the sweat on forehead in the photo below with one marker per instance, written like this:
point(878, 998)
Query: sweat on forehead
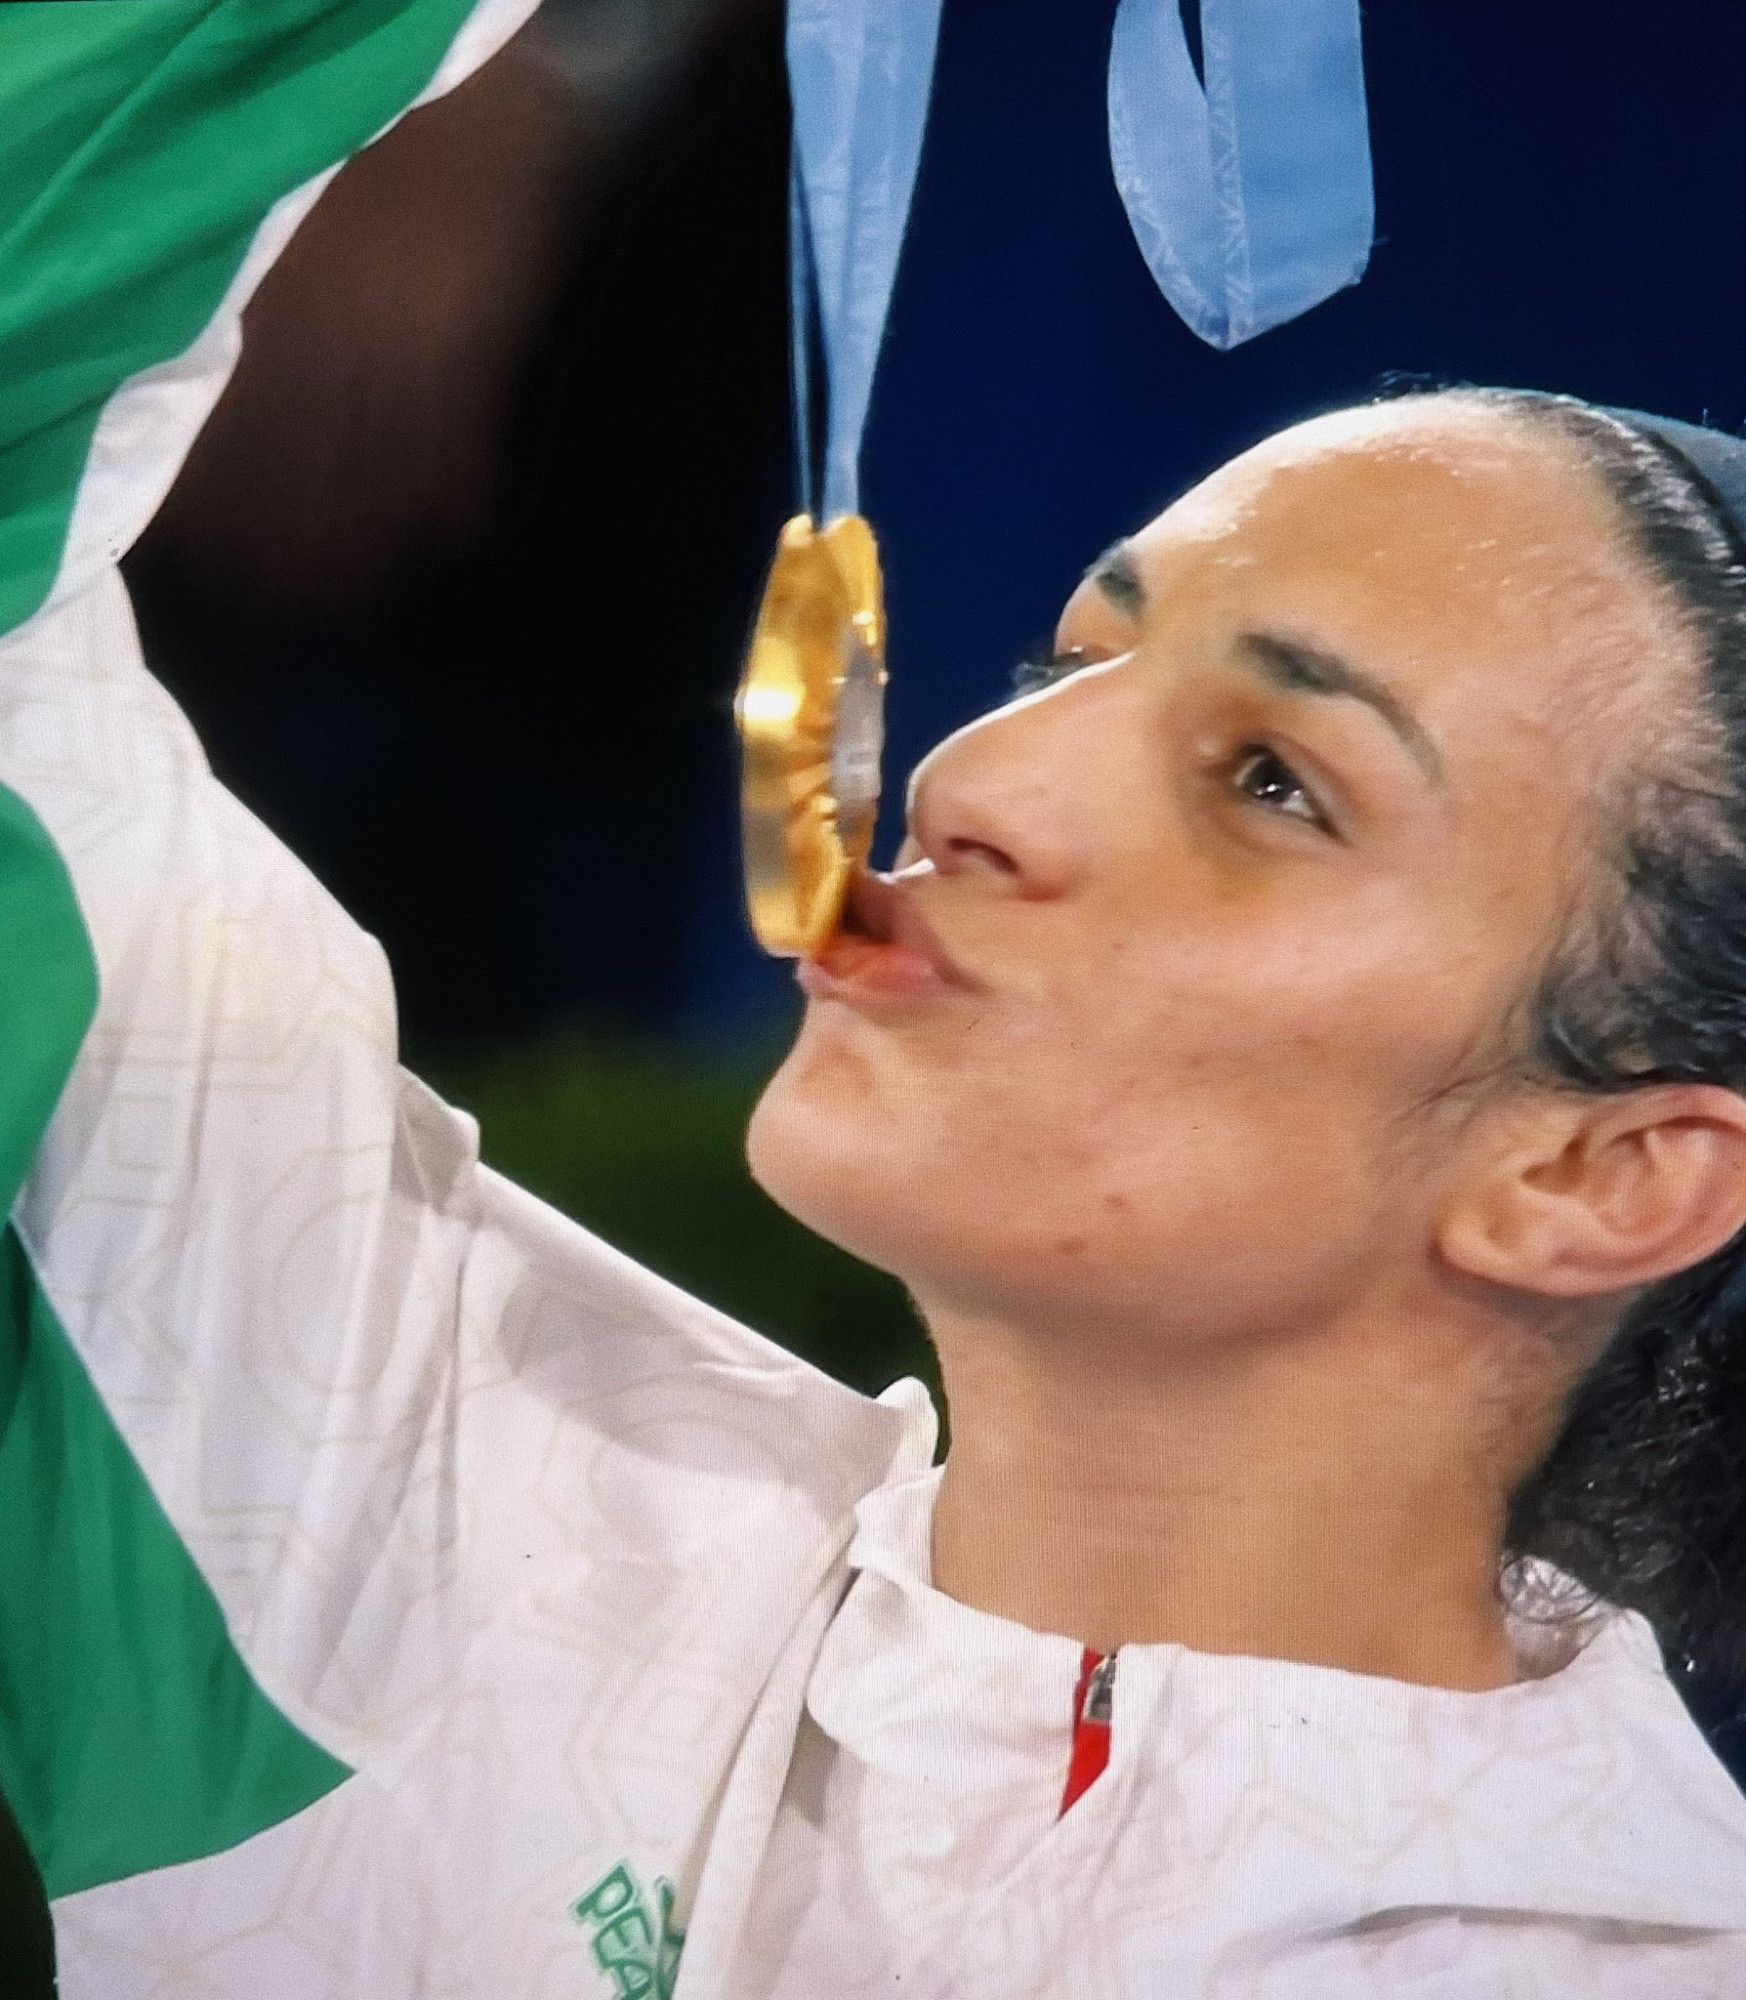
point(1448, 484)
point(1477, 525)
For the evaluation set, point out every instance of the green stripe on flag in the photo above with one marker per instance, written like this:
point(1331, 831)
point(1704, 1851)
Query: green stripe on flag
point(142, 144)
point(131, 1733)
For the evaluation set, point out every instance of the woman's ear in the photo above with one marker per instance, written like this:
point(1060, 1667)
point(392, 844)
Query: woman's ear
point(1604, 1194)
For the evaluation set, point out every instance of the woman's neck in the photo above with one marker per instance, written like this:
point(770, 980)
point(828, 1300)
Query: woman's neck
point(1319, 1499)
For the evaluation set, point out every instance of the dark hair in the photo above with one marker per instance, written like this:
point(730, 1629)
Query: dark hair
point(1642, 1497)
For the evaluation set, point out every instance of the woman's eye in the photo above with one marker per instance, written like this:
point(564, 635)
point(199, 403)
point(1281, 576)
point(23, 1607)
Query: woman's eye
point(1269, 781)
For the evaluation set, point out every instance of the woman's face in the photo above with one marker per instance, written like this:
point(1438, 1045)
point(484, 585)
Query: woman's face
point(1240, 896)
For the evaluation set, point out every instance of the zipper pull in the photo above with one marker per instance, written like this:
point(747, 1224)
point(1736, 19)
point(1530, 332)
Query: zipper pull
point(1100, 1694)
point(1093, 1701)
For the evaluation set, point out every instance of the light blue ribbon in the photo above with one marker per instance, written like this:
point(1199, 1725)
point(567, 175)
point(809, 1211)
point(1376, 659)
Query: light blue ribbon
point(1251, 199)
point(860, 73)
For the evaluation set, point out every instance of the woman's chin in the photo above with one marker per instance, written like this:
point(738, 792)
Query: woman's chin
point(795, 1151)
point(816, 1165)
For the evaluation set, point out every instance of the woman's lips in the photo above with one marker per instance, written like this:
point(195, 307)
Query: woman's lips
point(885, 947)
point(851, 964)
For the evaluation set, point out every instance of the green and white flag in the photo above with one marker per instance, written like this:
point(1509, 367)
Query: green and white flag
point(373, 1611)
point(155, 157)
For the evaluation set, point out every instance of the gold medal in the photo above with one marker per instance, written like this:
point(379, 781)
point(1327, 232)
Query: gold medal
point(811, 716)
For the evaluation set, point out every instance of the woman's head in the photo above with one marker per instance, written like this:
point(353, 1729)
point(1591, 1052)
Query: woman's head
point(1340, 938)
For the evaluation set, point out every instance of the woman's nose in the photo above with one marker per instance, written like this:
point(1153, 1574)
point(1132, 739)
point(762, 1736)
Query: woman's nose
point(997, 798)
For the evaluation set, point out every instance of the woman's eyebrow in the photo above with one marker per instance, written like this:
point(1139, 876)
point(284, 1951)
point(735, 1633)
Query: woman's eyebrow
point(1287, 663)
point(1300, 669)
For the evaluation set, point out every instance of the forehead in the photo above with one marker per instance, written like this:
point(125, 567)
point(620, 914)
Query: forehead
point(1442, 544)
point(1392, 491)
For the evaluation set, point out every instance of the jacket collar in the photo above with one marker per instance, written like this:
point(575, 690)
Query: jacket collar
point(1584, 1790)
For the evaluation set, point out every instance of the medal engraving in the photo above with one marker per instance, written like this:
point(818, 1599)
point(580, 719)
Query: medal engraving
point(860, 737)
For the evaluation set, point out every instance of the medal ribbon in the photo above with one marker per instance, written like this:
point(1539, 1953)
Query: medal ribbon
point(860, 73)
point(1251, 198)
